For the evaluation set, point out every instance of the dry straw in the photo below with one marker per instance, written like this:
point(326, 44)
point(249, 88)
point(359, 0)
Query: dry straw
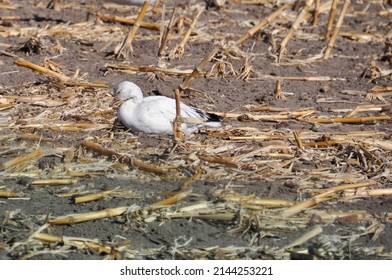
point(53, 182)
point(262, 23)
point(34, 155)
point(123, 20)
point(166, 35)
point(122, 50)
point(294, 27)
point(330, 19)
point(122, 158)
point(79, 218)
point(179, 50)
point(24, 63)
point(336, 30)
point(8, 194)
point(334, 154)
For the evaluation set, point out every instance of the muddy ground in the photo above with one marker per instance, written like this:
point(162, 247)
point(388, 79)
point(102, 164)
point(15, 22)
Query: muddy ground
point(75, 42)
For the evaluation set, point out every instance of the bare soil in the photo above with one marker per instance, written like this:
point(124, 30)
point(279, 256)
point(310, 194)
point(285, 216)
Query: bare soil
point(75, 42)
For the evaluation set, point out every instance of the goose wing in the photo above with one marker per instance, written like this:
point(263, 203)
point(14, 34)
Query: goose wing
point(157, 113)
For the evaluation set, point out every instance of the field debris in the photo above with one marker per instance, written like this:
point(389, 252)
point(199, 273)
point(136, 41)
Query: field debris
point(301, 168)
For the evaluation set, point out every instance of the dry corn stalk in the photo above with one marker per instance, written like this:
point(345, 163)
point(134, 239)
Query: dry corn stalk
point(347, 216)
point(97, 84)
point(6, 194)
point(344, 187)
point(7, 18)
point(204, 216)
point(349, 120)
point(316, 12)
point(366, 193)
point(264, 108)
point(178, 134)
point(173, 199)
point(322, 144)
point(53, 182)
point(7, 7)
point(188, 181)
point(34, 155)
point(178, 51)
point(150, 69)
point(219, 160)
point(306, 79)
point(302, 206)
point(370, 155)
point(78, 218)
point(336, 30)
point(44, 237)
point(24, 63)
point(122, 51)
point(198, 70)
point(307, 236)
point(377, 72)
point(301, 17)
point(154, 9)
point(262, 23)
point(92, 197)
point(278, 90)
point(143, 24)
point(122, 158)
point(380, 89)
point(76, 242)
point(274, 117)
point(251, 200)
point(364, 108)
point(330, 19)
point(166, 35)
point(323, 197)
point(298, 140)
point(246, 69)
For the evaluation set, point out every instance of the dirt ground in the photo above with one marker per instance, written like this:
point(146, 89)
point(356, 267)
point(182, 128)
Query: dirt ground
point(239, 183)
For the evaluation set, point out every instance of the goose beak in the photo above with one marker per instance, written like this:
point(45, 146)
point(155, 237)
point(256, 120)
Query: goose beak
point(115, 102)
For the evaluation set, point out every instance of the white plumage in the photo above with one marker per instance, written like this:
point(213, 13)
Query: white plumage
point(156, 114)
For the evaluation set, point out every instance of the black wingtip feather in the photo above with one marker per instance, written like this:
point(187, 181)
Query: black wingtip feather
point(209, 116)
point(213, 117)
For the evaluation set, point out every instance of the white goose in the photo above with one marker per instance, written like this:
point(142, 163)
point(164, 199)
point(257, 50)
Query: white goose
point(156, 114)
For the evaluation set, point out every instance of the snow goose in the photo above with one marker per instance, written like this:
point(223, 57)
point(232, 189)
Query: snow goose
point(156, 114)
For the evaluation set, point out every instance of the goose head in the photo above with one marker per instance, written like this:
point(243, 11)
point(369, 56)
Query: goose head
point(127, 91)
